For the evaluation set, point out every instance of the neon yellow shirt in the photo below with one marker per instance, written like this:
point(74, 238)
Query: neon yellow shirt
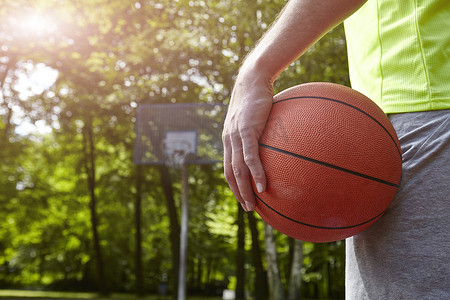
point(399, 53)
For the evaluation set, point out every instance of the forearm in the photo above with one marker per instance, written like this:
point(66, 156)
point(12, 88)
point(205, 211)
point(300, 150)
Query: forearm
point(298, 27)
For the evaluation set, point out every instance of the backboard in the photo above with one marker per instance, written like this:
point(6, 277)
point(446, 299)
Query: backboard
point(190, 133)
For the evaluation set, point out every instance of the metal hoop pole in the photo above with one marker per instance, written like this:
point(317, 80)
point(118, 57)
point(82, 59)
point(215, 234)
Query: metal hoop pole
point(183, 233)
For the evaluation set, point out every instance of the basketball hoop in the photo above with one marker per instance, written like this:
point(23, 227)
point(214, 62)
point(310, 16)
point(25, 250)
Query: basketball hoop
point(179, 145)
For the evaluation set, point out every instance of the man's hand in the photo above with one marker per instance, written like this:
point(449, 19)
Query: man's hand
point(249, 109)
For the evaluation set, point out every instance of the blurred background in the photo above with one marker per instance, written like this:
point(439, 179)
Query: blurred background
point(75, 213)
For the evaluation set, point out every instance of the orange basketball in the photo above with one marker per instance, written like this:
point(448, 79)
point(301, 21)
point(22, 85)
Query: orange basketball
point(332, 161)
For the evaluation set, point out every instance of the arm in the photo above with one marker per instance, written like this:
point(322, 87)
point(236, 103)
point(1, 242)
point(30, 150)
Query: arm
point(298, 27)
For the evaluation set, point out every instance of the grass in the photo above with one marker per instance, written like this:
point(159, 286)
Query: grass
point(40, 295)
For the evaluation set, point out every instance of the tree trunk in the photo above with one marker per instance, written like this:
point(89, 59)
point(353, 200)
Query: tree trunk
point(89, 162)
point(260, 288)
point(199, 273)
point(276, 289)
point(138, 236)
point(166, 184)
point(240, 255)
point(295, 278)
point(324, 285)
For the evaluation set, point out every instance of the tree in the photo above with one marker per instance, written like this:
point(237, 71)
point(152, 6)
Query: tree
point(240, 255)
point(260, 284)
point(276, 288)
point(109, 57)
point(295, 277)
point(175, 229)
point(138, 234)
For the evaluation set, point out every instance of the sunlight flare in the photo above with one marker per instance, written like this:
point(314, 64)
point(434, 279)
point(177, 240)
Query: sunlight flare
point(34, 24)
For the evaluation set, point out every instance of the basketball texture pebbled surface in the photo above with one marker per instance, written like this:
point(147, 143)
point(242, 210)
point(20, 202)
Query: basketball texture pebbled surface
point(332, 161)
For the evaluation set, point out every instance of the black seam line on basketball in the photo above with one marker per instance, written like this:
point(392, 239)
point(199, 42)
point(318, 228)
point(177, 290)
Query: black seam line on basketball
point(317, 226)
point(329, 165)
point(349, 105)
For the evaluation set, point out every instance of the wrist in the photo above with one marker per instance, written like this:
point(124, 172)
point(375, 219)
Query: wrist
point(258, 71)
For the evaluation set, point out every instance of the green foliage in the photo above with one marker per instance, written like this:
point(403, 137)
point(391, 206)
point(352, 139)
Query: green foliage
point(111, 56)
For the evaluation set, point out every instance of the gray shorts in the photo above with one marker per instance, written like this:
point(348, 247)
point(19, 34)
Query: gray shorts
point(406, 254)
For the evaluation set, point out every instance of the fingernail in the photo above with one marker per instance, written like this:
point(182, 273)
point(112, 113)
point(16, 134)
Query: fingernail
point(259, 187)
point(244, 206)
point(249, 206)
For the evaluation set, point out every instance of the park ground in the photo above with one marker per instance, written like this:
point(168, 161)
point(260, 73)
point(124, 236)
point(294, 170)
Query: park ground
point(40, 295)
point(48, 295)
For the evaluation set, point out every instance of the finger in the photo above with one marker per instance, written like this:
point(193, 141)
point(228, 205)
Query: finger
point(242, 173)
point(228, 171)
point(250, 149)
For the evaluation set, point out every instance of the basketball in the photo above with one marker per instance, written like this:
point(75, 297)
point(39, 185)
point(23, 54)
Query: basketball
point(332, 161)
